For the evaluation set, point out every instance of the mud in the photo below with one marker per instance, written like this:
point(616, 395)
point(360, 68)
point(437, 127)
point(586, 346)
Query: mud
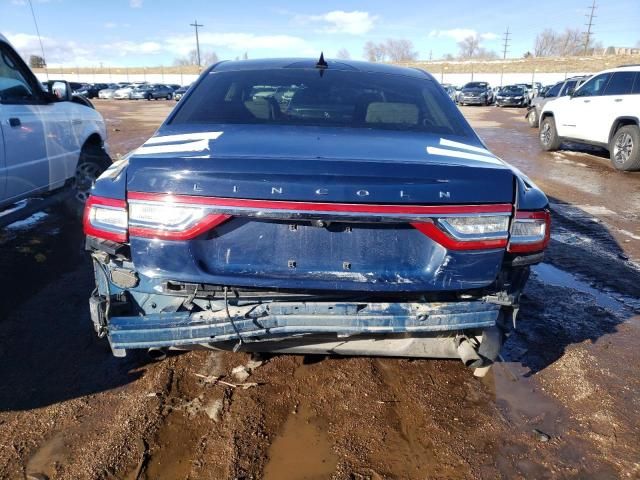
point(564, 403)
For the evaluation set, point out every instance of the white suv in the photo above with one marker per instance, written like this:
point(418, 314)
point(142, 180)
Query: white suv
point(604, 111)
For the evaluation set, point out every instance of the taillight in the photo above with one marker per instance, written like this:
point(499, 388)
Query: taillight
point(530, 232)
point(468, 232)
point(106, 218)
point(170, 220)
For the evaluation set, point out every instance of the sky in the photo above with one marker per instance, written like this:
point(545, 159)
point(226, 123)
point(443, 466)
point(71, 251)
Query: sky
point(156, 32)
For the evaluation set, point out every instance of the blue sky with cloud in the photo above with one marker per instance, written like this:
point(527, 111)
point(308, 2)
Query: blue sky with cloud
point(155, 32)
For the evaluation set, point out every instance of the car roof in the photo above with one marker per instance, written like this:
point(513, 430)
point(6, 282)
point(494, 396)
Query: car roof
point(622, 68)
point(306, 63)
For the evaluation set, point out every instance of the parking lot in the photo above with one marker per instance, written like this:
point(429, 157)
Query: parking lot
point(564, 403)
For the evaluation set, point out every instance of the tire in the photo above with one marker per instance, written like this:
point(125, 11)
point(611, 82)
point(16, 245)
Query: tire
point(149, 97)
point(624, 148)
point(549, 139)
point(169, 96)
point(93, 161)
point(532, 118)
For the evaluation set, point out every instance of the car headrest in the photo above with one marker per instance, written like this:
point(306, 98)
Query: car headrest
point(391, 112)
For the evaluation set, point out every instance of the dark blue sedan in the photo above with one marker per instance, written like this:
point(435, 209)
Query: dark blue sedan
point(326, 207)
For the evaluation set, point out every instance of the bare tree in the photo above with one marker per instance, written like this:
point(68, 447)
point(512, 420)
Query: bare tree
point(36, 61)
point(343, 54)
point(570, 43)
point(448, 57)
point(191, 58)
point(485, 54)
point(468, 48)
point(374, 52)
point(400, 50)
point(545, 44)
point(244, 57)
point(210, 58)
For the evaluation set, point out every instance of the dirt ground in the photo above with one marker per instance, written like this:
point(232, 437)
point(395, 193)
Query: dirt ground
point(564, 403)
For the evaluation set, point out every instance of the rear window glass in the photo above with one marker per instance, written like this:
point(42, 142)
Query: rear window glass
point(513, 89)
point(476, 85)
point(553, 91)
point(621, 83)
point(334, 99)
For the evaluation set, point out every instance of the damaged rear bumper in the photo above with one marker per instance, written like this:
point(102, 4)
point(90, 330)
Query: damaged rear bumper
point(351, 328)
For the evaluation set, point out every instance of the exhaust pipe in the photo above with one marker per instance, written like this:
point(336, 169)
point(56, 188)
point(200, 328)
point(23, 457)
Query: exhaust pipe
point(467, 353)
point(157, 354)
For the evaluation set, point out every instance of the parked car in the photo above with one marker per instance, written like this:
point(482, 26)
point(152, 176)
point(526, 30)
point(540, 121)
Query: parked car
point(476, 93)
point(140, 92)
point(107, 93)
point(560, 89)
point(174, 86)
point(604, 111)
point(512, 96)
point(50, 145)
point(158, 91)
point(451, 91)
point(317, 226)
point(179, 93)
point(123, 93)
point(90, 90)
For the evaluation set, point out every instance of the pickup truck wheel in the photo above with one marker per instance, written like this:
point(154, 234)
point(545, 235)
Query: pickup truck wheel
point(532, 118)
point(625, 148)
point(549, 139)
point(93, 161)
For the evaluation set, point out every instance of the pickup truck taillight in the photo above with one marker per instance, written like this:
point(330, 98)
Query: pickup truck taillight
point(530, 232)
point(106, 218)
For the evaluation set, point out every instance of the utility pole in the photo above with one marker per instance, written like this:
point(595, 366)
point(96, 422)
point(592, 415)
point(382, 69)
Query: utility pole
point(195, 24)
point(506, 44)
point(587, 34)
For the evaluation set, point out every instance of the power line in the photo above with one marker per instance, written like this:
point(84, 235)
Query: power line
point(44, 60)
point(506, 44)
point(587, 34)
point(195, 24)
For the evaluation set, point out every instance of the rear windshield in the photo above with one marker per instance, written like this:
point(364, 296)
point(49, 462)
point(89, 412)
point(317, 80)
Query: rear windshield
point(476, 85)
point(334, 99)
point(513, 89)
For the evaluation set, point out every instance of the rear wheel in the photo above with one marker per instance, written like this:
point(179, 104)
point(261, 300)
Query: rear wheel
point(532, 118)
point(624, 148)
point(549, 139)
point(93, 161)
point(169, 96)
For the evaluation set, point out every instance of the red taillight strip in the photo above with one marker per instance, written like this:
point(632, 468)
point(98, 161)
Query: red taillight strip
point(434, 233)
point(322, 207)
point(536, 246)
point(207, 223)
point(91, 230)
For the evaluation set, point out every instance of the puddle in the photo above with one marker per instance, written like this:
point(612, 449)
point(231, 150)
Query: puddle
point(554, 276)
point(43, 463)
point(302, 451)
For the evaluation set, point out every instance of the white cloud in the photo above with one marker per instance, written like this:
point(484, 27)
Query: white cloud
point(339, 21)
point(459, 34)
point(135, 3)
point(489, 36)
point(124, 48)
point(56, 51)
point(239, 42)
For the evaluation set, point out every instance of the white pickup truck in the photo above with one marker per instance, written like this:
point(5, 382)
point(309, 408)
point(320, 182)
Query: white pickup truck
point(50, 145)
